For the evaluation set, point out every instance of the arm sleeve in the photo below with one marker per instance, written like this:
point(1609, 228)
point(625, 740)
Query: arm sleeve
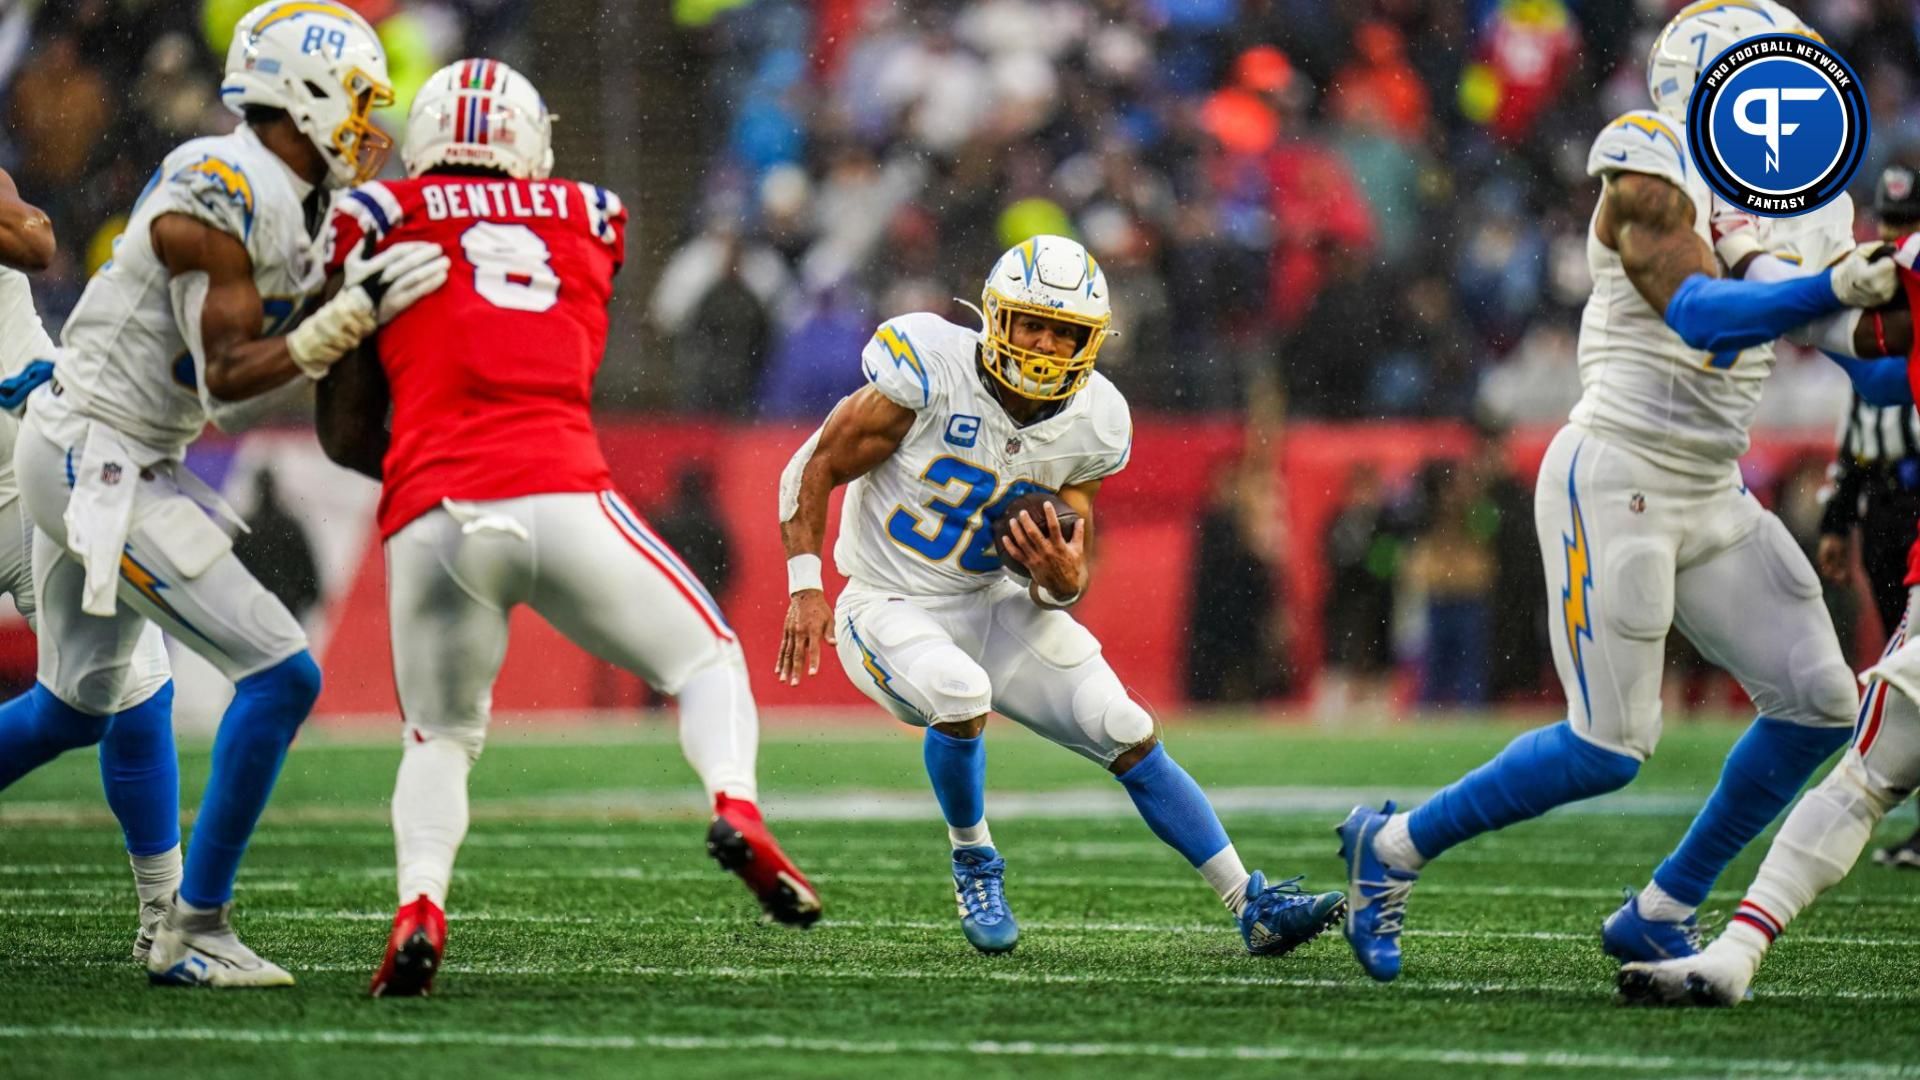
point(1879, 382)
point(1720, 315)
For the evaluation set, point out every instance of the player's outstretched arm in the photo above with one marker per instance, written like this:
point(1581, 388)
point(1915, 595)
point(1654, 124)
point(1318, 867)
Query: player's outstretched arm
point(862, 431)
point(350, 412)
point(26, 233)
point(1061, 566)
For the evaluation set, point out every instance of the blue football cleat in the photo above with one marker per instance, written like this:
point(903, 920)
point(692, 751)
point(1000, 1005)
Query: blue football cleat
point(1280, 918)
point(1377, 894)
point(979, 890)
point(1632, 938)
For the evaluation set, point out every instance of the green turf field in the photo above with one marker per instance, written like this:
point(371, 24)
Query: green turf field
point(591, 936)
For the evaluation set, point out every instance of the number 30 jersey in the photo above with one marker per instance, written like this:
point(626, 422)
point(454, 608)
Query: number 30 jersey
point(492, 374)
point(921, 522)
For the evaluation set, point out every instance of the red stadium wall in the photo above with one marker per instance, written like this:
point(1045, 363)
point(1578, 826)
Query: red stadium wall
point(1138, 606)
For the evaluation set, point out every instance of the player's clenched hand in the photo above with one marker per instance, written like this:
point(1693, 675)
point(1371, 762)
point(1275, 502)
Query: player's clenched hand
point(1864, 277)
point(809, 626)
point(1056, 562)
point(397, 277)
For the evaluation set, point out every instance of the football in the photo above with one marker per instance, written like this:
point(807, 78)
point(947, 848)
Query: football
point(1034, 503)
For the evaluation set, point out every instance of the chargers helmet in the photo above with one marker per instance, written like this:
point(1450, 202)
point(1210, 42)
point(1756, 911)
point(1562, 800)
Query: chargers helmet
point(1701, 31)
point(481, 113)
point(324, 65)
point(1052, 277)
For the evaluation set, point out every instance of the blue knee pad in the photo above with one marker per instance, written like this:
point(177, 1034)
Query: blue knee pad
point(1762, 774)
point(267, 709)
point(1542, 769)
point(141, 773)
point(37, 727)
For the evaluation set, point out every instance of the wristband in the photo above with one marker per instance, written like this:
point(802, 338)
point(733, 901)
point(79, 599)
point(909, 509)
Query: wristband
point(1047, 597)
point(803, 573)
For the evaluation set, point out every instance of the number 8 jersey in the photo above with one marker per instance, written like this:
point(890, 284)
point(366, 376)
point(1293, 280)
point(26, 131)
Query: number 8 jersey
point(491, 375)
point(921, 522)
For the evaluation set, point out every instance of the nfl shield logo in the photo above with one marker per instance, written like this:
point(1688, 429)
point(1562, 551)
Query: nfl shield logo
point(110, 473)
point(1637, 504)
point(1013, 446)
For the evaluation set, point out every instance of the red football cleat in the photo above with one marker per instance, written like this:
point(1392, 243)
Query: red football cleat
point(739, 841)
point(414, 950)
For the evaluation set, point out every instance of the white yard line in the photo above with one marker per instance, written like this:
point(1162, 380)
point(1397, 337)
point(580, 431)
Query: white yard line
point(1280, 1052)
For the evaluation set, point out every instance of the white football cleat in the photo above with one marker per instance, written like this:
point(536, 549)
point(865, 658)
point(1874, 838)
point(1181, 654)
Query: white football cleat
point(1716, 977)
point(198, 948)
point(152, 914)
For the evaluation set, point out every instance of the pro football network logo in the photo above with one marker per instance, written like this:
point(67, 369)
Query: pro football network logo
point(1778, 123)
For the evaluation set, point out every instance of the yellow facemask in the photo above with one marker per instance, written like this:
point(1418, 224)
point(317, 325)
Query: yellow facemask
point(1037, 375)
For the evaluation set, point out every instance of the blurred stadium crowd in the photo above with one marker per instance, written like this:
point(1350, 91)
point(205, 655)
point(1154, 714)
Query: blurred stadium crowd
point(1377, 207)
point(1374, 208)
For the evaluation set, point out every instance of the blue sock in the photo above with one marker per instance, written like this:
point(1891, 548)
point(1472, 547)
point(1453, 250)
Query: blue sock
point(1174, 807)
point(1763, 773)
point(1542, 769)
point(37, 727)
point(254, 735)
point(142, 775)
point(958, 769)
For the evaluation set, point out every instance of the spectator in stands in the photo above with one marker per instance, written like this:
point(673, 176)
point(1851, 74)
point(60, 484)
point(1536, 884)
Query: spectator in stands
point(1232, 649)
point(1522, 652)
point(275, 548)
point(1362, 551)
point(717, 303)
point(1452, 565)
point(691, 525)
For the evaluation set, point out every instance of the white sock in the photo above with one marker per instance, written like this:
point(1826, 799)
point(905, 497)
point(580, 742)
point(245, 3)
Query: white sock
point(1817, 845)
point(720, 728)
point(1394, 845)
point(1742, 941)
point(975, 835)
point(1228, 877)
point(156, 877)
point(1657, 904)
point(429, 815)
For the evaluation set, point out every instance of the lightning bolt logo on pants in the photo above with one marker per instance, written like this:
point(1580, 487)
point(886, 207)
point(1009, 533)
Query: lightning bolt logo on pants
point(1574, 610)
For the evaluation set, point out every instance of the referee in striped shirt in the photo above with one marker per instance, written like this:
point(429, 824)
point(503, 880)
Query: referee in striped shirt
point(1876, 476)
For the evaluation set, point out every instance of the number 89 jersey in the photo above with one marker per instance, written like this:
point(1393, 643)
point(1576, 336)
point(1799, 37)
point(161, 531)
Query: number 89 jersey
point(492, 374)
point(921, 522)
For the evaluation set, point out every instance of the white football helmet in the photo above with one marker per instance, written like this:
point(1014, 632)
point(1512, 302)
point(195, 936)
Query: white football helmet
point(1052, 277)
point(324, 65)
point(480, 113)
point(1700, 32)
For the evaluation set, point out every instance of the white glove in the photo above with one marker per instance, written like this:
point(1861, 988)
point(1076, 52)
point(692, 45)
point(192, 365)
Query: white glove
point(331, 332)
point(1864, 277)
point(398, 276)
point(1736, 233)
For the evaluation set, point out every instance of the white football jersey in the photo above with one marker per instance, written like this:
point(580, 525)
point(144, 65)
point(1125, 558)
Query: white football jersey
point(921, 522)
point(1642, 386)
point(124, 359)
point(22, 341)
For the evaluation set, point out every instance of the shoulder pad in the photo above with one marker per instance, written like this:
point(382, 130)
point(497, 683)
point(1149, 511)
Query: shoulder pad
point(211, 187)
point(1111, 425)
point(909, 359)
point(1642, 141)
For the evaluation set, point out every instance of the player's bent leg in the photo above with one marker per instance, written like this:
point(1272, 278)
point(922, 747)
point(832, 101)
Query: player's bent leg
point(37, 727)
point(449, 591)
point(906, 660)
point(1754, 609)
point(1609, 570)
point(141, 774)
point(671, 633)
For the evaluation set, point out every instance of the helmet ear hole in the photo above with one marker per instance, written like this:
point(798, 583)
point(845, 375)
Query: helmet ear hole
point(316, 89)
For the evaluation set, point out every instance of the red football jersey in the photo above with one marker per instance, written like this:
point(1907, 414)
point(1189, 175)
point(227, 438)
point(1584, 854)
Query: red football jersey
point(492, 374)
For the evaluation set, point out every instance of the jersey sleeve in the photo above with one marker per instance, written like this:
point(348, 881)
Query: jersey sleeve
point(897, 365)
point(212, 189)
point(1642, 141)
point(607, 220)
point(369, 212)
point(1112, 443)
